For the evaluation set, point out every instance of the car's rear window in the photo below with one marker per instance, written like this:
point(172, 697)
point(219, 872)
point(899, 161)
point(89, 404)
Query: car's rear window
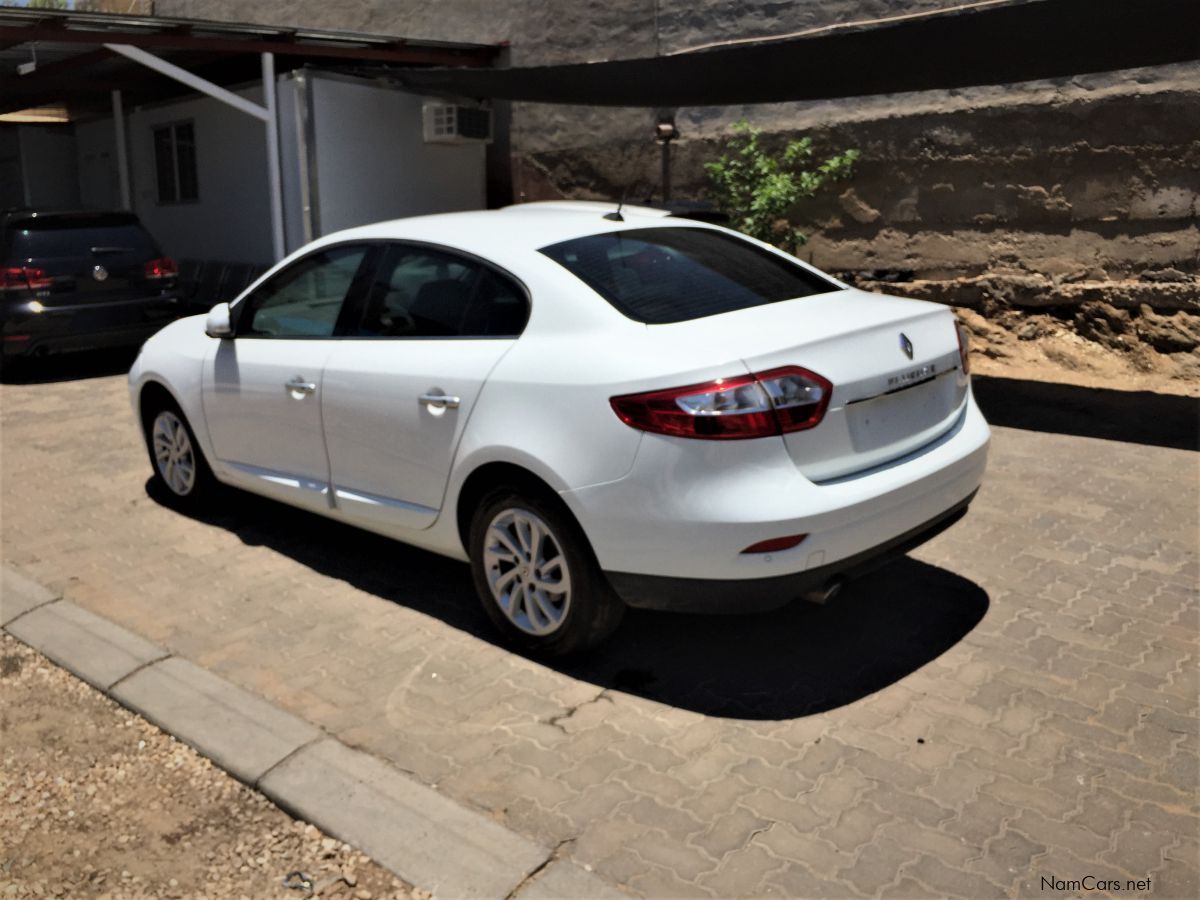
point(61, 237)
point(663, 275)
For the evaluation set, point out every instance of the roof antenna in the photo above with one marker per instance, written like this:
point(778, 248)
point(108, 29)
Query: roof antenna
point(616, 216)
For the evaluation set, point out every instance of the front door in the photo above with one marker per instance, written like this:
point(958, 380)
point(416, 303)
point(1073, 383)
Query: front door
point(399, 392)
point(262, 388)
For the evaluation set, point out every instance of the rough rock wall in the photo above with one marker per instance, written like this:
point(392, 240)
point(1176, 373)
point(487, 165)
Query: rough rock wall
point(1067, 180)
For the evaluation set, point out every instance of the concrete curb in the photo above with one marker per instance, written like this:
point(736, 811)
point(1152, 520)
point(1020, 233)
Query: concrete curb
point(243, 734)
point(421, 835)
point(411, 829)
point(19, 595)
point(95, 649)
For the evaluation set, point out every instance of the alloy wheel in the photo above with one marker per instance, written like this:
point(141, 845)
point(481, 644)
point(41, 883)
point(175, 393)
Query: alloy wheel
point(173, 453)
point(527, 571)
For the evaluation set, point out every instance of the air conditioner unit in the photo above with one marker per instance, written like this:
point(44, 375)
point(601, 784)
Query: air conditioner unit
point(450, 123)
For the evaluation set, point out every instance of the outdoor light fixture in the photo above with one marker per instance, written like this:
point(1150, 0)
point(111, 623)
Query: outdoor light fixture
point(44, 115)
point(665, 132)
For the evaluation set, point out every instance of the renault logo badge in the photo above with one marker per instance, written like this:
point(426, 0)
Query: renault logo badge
point(906, 345)
point(99, 273)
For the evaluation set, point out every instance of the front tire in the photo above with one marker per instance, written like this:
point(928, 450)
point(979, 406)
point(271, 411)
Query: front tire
point(181, 474)
point(536, 575)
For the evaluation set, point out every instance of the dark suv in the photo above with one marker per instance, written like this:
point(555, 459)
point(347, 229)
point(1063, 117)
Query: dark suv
point(80, 280)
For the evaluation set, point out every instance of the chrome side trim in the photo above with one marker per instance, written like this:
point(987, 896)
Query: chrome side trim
point(362, 497)
point(284, 479)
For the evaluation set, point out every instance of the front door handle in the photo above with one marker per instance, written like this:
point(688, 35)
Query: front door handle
point(299, 386)
point(440, 401)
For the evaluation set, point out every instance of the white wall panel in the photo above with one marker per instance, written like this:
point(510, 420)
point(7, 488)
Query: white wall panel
point(373, 163)
point(231, 219)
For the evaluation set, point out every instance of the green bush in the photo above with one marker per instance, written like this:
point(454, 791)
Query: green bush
point(759, 190)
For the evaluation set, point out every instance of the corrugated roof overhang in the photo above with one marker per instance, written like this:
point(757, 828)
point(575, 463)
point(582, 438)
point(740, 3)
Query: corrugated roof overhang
point(74, 69)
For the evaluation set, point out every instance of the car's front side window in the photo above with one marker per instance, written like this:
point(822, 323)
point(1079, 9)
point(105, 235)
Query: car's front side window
point(305, 299)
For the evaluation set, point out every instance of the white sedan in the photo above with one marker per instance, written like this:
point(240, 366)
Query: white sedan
point(596, 409)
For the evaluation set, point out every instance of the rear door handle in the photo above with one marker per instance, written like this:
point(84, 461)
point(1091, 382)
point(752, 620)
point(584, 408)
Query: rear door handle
point(441, 401)
point(299, 386)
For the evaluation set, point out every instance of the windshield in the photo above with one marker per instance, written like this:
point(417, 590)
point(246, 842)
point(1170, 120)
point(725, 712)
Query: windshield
point(663, 275)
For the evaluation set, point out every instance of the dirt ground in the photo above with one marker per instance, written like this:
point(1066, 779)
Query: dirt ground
point(1041, 348)
point(96, 802)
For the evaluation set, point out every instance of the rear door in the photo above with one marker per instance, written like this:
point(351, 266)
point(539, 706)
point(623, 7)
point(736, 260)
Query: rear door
point(262, 389)
point(399, 388)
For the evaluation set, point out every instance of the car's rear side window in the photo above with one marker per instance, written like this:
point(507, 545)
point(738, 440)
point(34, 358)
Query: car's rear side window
point(663, 275)
point(425, 292)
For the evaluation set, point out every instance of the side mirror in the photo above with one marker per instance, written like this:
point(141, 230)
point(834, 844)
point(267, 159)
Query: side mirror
point(218, 324)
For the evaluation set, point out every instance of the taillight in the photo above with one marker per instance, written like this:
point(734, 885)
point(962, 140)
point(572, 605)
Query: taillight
point(748, 406)
point(798, 396)
point(163, 267)
point(12, 279)
point(22, 278)
point(964, 347)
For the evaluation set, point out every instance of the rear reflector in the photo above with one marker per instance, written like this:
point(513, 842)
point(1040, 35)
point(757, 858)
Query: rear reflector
point(14, 338)
point(163, 267)
point(748, 406)
point(774, 544)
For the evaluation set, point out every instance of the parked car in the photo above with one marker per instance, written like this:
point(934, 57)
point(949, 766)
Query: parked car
point(594, 409)
point(80, 280)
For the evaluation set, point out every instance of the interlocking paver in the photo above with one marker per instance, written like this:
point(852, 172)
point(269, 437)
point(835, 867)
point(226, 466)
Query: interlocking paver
point(949, 881)
point(1006, 858)
point(742, 872)
point(877, 865)
point(797, 880)
point(1018, 698)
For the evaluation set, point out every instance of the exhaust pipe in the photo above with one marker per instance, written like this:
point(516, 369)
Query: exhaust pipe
point(826, 592)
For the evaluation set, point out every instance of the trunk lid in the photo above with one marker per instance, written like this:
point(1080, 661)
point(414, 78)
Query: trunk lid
point(885, 402)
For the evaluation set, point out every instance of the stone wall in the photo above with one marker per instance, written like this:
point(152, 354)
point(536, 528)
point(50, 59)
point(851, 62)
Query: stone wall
point(1066, 180)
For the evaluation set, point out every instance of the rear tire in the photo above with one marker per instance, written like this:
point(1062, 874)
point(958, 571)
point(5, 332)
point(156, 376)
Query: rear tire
point(536, 575)
point(181, 474)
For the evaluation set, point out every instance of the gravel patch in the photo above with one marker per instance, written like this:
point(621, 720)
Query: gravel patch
point(97, 802)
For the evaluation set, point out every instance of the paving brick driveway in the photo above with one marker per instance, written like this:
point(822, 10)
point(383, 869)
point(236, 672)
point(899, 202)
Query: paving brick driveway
point(1017, 700)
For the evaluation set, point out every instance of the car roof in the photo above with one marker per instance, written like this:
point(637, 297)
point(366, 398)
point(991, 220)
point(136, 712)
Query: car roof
point(522, 228)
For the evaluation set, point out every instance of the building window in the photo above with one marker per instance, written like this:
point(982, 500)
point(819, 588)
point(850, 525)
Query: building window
point(175, 161)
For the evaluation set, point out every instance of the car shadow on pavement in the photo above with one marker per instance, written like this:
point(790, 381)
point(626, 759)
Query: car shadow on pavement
point(68, 366)
point(796, 661)
point(1139, 417)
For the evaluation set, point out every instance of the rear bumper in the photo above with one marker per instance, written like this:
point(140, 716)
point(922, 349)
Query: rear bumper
point(85, 327)
point(686, 511)
point(715, 596)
